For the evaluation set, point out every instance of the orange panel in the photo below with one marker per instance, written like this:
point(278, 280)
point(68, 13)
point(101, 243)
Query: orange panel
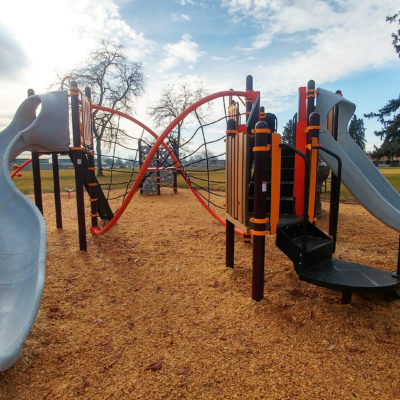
point(275, 181)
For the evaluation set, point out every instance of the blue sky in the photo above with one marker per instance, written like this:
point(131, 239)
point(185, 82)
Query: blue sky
point(342, 44)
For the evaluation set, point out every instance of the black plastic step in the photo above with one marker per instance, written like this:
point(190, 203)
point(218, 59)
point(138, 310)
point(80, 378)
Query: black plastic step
point(349, 277)
point(319, 247)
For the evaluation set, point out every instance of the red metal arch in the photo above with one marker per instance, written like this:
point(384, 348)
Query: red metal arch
point(160, 142)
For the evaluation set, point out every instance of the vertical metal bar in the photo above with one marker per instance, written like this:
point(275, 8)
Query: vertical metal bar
point(57, 195)
point(249, 86)
point(398, 260)
point(158, 172)
point(301, 142)
point(229, 227)
point(310, 98)
point(313, 157)
point(175, 151)
point(93, 188)
point(37, 184)
point(77, 154)
point(249, 104)
point(260, 210)
point(140, 163)
point(230, 244)
point(334, 180)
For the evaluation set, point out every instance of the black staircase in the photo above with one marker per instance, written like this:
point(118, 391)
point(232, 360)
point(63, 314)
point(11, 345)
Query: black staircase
point(311, 251)
point(103, 207)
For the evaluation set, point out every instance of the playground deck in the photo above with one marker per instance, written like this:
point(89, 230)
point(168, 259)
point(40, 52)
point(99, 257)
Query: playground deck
point(151, 312)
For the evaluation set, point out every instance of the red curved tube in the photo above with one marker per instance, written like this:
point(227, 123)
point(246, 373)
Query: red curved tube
point(157, 144)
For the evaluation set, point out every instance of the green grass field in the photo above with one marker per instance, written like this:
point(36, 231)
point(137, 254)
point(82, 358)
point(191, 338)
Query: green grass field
point(217, 178)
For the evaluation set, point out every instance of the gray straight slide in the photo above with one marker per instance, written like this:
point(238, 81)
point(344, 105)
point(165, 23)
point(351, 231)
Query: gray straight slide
point(359, 174)
point(22, 227)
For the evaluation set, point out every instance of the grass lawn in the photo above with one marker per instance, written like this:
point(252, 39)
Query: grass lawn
point(217, 180)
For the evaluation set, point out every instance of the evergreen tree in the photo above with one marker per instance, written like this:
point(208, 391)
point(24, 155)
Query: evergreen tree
point(389, 115)
point(357, 131)
point(289, 133)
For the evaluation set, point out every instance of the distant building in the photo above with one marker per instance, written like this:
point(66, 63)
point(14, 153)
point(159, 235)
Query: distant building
point(64, 162)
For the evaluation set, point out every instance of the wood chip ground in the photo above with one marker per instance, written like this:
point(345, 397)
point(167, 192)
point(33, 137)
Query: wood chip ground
point(151, 312)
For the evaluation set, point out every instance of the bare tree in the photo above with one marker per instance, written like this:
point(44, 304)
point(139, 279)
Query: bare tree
point(173, 101)
point(115, 81)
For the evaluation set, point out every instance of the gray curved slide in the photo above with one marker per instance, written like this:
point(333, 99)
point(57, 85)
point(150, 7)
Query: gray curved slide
point(359, 174)
point(22, 227)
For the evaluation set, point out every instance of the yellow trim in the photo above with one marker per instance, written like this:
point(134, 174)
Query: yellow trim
point(232, 131)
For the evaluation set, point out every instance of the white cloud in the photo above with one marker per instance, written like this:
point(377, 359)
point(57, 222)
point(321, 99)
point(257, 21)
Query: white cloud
point(334, 40)
point(297, 17)
point(185, 51)
point(51, 37)
point(176, 17)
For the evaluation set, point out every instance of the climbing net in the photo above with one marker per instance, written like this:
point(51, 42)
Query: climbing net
point(194, 151)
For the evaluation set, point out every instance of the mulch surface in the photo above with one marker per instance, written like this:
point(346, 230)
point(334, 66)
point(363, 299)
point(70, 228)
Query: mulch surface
point(151, 312)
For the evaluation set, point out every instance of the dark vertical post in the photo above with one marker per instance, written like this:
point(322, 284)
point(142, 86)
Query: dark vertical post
point(249, 102)
point(229, 226)
point(310, 98)
point(158, 174)
point(249, 105)
point(175, 151)
point(140, 163)
point(334, 180)
point(93, 189)
point(398, 260)
point(230, 244)
point(57, 195)
point(37, 184)
point(260, 209)
point(77, 156)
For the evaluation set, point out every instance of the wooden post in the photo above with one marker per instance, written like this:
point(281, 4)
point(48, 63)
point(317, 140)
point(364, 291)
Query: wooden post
point(260, 208)
point(77, 155)
point(57, 195)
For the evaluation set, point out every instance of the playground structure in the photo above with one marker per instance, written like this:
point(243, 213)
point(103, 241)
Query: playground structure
point(261, 172)
point(156, 173)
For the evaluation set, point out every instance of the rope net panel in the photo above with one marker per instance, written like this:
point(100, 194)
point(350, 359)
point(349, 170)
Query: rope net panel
point(197, 155)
